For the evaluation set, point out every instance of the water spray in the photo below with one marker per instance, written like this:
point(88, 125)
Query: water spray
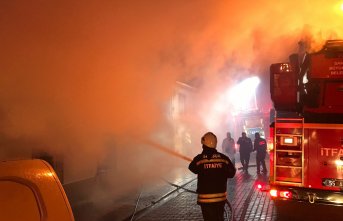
point(167, 150)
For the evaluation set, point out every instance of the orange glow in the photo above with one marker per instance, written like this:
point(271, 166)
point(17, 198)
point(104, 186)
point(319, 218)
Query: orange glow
point(49, 174)
point(286, 194)
point(77, 79)
point(289, 140)
point(44, 174)
point(273, 193)
point(339, 163)
point(282, 194)
point(270, 145)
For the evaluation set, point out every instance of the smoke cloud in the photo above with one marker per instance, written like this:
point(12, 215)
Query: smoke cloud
point(77, 75)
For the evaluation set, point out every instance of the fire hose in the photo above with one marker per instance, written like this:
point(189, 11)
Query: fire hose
point(176, 154)
point(191, 191)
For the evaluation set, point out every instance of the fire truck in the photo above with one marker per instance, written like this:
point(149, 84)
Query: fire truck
point(306, 161)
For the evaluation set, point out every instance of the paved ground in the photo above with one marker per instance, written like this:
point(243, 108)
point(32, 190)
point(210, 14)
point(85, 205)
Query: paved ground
point(163, 201)
point(248, 204)
point(178, 204)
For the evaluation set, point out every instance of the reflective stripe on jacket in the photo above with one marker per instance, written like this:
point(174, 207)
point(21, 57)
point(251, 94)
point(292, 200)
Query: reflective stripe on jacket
point(212, 197)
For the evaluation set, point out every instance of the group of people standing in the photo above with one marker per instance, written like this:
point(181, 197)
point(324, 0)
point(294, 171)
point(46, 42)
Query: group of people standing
point(245, 148)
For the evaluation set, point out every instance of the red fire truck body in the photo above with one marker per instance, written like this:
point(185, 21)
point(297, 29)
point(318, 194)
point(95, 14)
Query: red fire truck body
point(306, 162)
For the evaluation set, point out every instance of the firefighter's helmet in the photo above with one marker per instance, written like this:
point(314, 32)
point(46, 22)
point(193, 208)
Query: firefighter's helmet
point(209, 140)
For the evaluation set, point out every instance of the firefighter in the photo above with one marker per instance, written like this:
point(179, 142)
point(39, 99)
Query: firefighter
point(213, 169)
point(245, 148)
point(228, 147)
point(260, 146)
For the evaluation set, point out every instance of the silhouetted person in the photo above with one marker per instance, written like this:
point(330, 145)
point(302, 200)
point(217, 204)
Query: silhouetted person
point(260, 146)
point(228, 147)
point(213, 170)
point(245, 148)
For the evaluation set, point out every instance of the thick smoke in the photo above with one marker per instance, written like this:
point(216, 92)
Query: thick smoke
point(78, 75)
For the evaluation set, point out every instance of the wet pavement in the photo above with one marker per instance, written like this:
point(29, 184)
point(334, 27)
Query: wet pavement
point(172, 198)
point(247, 202)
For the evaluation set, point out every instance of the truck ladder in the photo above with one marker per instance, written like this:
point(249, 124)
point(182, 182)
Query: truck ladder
point(289, 151)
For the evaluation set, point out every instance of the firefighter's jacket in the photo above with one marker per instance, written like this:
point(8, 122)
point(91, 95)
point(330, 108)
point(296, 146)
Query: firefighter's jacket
point(213, 170)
